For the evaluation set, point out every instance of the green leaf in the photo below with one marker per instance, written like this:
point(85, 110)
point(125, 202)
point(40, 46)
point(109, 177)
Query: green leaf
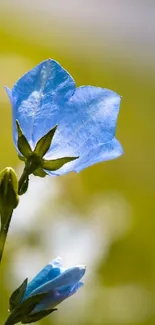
point(22, 142)
point(56, 163)
point(17, 295)
point(24, 308)
point(44, 143)
point(39, 172)
point(37, 316)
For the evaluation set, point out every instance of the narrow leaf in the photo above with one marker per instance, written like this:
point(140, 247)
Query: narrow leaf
point(22, 142)
point(44, 143)
point(56, 163)
point(37, 316)
point(17, 295)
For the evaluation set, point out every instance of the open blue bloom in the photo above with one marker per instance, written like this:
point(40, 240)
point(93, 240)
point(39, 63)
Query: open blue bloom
point(58, 282)
point(86, 116)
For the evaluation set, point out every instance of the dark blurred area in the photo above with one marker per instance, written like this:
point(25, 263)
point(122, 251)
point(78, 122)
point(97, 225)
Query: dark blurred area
point(103, 217)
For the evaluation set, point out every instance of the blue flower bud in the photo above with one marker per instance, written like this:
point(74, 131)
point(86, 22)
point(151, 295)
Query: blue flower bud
point(37, 299)
point(58, 282)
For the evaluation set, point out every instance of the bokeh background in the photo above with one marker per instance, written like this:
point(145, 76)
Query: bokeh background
point(105, 216)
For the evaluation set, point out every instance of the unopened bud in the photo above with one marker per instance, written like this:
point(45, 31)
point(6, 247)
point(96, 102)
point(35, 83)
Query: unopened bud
point(8, 192)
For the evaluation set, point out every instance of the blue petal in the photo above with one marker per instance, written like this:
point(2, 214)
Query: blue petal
point(91, 113)
point(91, 155)
point(56, 297)
point(87, 122)
point(38, 97)
point(69, 290)
point(9, 93)
point(76, 288)
point(48, 273)
point(69, 277)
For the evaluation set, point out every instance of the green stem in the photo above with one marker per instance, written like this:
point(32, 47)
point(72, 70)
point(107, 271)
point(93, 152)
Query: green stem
point(3, 236)
point(31, 165)
point(22, 180)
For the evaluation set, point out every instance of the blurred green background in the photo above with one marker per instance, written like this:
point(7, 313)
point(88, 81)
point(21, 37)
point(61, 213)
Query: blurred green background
point(105, 216)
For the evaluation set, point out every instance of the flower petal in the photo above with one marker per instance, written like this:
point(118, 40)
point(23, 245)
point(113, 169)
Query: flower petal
point(48, 273)
point(38, 96)
point(91, 155)
point(87, 121)
point(56, 297)
point(76, 288)
point(15, 136)
point(69, 277)
point(57, 262)
point(70, 290)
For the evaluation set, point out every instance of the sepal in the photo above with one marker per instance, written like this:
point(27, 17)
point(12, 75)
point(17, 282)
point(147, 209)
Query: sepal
point(44, 143)
point(17, 295)
point(34, 162)
point(56, 163)
point(39, 172)
point(22, 142)
point(37, 316)
point(24, 309)
point(22, 158)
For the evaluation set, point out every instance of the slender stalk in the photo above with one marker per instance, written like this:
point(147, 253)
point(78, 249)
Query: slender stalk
point(3, 236)
point(22, 180)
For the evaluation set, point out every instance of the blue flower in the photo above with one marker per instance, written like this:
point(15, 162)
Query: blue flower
point(58, 282)
point(86, 116)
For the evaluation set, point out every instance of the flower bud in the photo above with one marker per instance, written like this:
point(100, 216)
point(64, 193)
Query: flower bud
point(8, 193)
